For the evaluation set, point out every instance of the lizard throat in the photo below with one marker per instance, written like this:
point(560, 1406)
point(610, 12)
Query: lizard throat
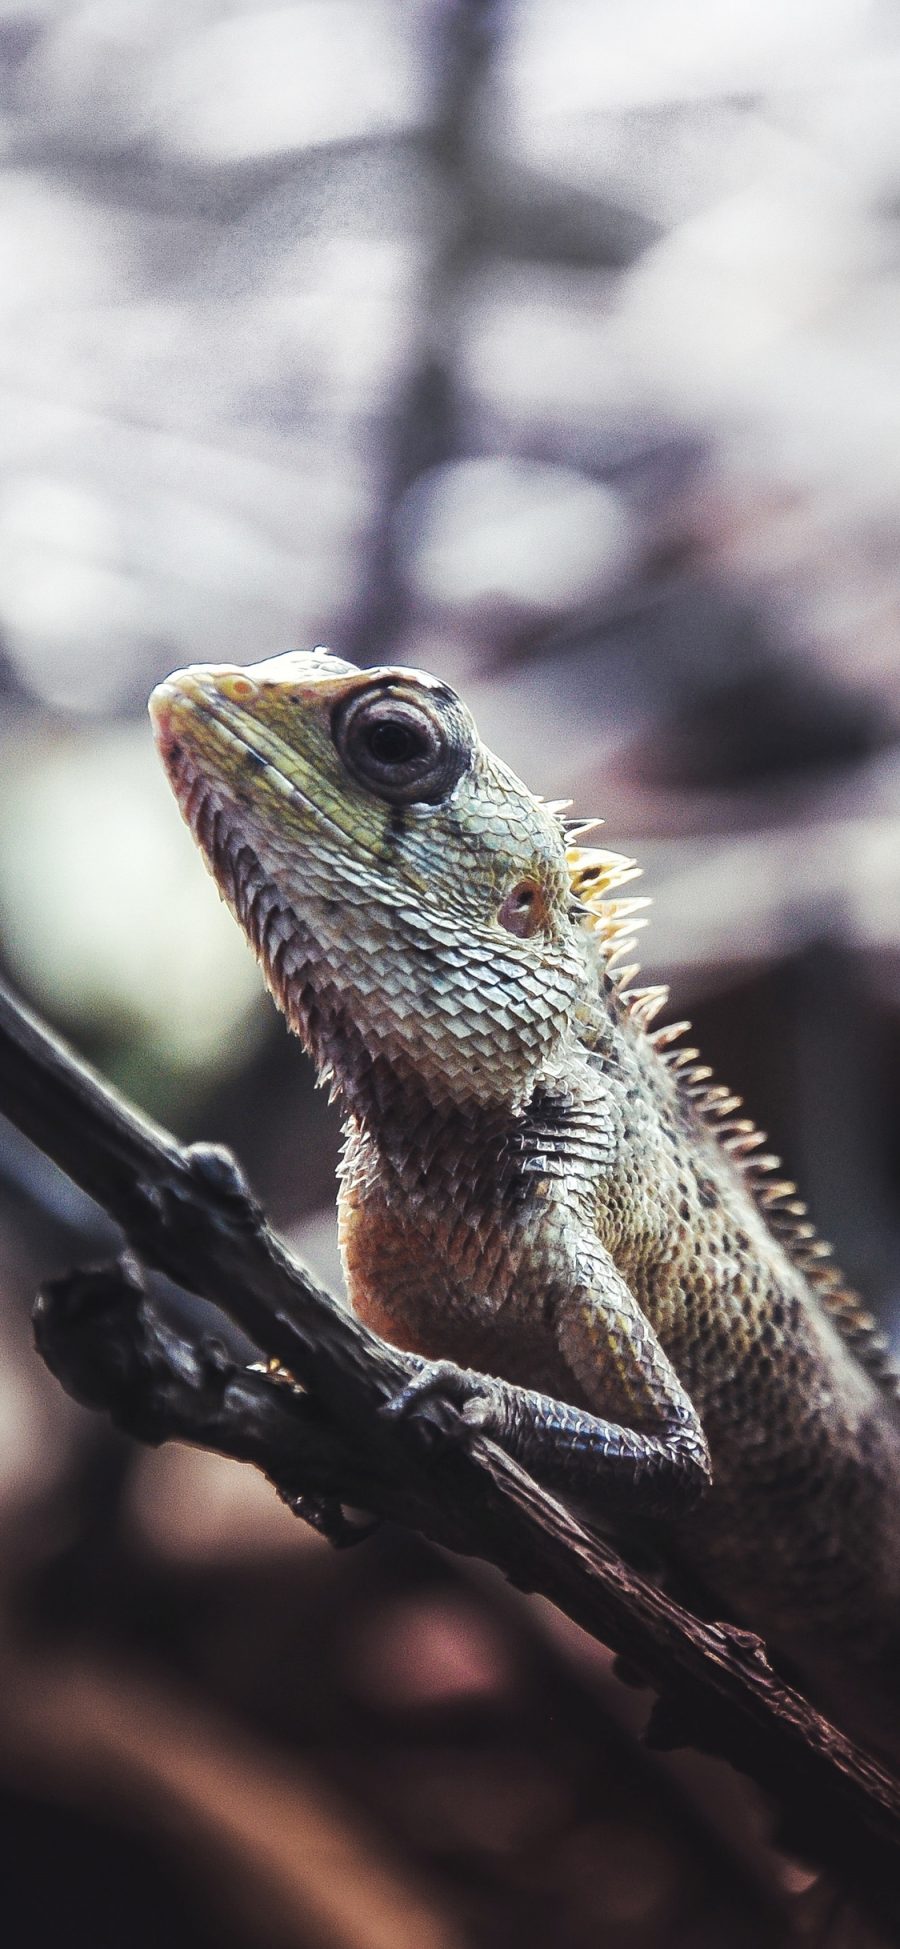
point(284, 947)
point(375, 1090)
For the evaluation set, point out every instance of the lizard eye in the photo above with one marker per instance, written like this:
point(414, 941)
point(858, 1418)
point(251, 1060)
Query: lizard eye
point(404, 750)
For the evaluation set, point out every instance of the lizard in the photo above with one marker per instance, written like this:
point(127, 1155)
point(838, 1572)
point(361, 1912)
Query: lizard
point(543, 1196)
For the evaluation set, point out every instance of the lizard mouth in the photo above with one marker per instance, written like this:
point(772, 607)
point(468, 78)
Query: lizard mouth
point(206, 740)
point(198, 733)
point(197, 745)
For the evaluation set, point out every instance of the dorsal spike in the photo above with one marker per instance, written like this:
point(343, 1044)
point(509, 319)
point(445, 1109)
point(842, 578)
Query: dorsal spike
point(681, 1058)
point(582, 860)
point(622, 977)
point(743, 1146)
point(624, 944)
point(575, 829)
point(616, 930)
point(622, 909)
point(645, 1003)
point(670, 1033)
point(622, 875)
point(594, 874)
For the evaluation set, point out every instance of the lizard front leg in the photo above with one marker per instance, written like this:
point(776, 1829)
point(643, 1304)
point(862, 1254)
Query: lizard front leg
point(657, 1456)
point(655, 1462)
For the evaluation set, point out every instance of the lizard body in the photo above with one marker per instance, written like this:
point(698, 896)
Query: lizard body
point(535, 1184)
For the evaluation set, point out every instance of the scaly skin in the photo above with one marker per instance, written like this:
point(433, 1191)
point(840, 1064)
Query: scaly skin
point(527, 1187)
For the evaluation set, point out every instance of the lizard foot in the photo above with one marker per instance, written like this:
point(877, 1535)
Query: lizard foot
point(453, 1400)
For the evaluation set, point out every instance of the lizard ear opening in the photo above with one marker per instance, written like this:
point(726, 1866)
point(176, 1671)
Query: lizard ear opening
point(524, 911)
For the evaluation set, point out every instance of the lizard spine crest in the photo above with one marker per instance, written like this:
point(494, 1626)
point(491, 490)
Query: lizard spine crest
point(595, 875)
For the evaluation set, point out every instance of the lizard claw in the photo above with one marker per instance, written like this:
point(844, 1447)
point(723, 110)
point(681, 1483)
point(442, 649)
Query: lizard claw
point(435, 1377)
point(448, 1397)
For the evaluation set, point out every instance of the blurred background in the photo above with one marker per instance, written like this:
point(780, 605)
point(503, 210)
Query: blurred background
point(554, 346)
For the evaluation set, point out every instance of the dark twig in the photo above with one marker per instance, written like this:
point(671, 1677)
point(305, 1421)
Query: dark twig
point(188, 1213)
point(112, 1347)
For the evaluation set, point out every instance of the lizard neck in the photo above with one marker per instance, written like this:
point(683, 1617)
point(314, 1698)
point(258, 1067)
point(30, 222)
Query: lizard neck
point(411, 1068)
point(492, 1156)
point(398, 1109)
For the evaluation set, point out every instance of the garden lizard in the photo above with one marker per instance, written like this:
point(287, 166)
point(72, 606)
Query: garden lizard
point(536, 1183)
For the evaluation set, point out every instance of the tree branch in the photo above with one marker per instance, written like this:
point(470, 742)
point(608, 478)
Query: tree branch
point(187, 1212)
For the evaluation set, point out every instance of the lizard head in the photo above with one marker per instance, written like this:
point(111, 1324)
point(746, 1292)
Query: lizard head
point(408, 898)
